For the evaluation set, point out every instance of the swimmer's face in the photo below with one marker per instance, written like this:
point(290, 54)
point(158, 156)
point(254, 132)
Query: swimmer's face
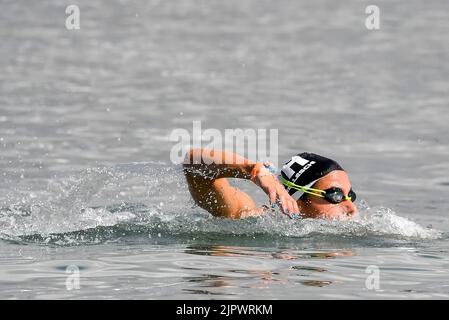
point(316, 207)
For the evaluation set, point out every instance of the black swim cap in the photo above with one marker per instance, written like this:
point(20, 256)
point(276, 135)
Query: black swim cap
point(305, 169)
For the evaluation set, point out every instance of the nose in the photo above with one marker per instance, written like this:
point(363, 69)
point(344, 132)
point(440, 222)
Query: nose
point(351, 209)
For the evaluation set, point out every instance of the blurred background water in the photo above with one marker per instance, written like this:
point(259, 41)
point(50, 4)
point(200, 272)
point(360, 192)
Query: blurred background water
point(85, 172)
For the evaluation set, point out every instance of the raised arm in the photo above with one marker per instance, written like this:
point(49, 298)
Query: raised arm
point(207, 171)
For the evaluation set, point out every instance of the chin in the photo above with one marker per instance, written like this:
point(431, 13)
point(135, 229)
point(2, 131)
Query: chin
point(342, 216)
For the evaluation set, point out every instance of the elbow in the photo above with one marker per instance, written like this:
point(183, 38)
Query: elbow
point(193, 156)
point(188, 157)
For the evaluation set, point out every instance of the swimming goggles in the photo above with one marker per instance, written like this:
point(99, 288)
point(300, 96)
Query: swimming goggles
point(333, 195)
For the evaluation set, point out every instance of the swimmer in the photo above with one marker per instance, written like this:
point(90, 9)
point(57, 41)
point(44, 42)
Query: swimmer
point(308, 186)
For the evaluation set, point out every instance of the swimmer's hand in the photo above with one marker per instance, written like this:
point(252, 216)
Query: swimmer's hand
point(267, 181)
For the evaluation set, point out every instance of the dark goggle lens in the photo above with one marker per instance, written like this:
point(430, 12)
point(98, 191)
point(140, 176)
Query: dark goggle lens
point(352, 195)
point(335, 195)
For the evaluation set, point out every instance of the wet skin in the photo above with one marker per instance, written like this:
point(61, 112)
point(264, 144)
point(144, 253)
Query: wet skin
point(316, 207)
point(207, 178)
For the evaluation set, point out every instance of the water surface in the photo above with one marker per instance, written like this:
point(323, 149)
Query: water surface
point(85, 172)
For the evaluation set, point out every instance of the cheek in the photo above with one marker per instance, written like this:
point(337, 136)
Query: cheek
point(328, 210)
point(336, 212)
point(320, 208)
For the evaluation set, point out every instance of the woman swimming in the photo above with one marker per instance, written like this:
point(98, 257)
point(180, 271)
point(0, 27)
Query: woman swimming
point(309, 185)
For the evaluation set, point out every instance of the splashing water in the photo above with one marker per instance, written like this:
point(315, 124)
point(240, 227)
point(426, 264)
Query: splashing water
point(152, 200)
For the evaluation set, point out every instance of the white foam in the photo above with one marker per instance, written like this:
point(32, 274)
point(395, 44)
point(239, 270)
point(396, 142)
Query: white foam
point(68, 209)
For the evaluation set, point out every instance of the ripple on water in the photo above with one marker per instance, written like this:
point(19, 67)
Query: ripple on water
point(66, 217)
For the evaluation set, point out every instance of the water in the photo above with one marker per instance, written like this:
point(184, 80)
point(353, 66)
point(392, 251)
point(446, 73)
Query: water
point(85, 175)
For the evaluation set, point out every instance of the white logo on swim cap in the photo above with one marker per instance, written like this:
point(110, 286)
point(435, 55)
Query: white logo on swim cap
point(300, 172)
point(286, 168)
point(289, 172)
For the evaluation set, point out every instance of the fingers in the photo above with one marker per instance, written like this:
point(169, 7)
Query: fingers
point(272, 195)
point(291, 207)
point(283, 205)
point(295, 206)
point(288, 204)
point(277, 194)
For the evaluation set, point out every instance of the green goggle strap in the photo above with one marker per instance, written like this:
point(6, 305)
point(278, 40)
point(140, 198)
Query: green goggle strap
point(315, 192)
